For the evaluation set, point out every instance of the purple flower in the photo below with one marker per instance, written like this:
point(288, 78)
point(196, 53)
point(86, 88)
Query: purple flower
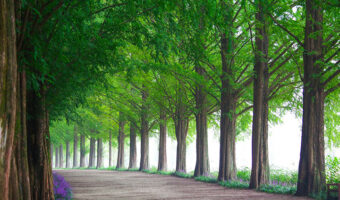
point(62, 189)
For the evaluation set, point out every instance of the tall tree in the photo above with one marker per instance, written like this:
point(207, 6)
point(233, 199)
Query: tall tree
point(144, 160)
point(121, 141)
point(75, 147)
point(99, 153)
point(227, 167)
point(92, 156)
point(162, 155)
point(110, 148)
point(259, 170)
point(133, 146)
point(68, 155)
point(8, 92)
point(82, 150)
point(311, 178)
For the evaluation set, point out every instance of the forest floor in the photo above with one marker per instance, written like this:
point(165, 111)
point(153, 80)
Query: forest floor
point(102, 184)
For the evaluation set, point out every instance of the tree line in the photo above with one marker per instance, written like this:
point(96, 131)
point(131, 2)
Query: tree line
point(141, 66)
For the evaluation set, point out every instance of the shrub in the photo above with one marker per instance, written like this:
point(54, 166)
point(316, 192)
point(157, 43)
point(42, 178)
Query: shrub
point(62, 190)
point(279, 189)
point(235, 184)
point(207, 179)
point(244, 174)
point(182, 174)
point(332, 169)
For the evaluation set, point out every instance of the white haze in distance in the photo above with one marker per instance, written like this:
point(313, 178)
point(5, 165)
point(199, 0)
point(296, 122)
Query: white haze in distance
point(284, 148)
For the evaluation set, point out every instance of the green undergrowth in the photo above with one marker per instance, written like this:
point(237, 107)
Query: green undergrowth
point(234, 184)
point(154, 170)
point(206, 179)
point(278, 189)
point(183, 174)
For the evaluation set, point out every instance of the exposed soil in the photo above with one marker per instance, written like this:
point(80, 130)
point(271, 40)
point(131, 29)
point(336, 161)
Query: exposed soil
point(101, 184)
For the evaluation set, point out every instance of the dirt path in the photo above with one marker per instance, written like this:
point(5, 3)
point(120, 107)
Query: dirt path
point(100, 184)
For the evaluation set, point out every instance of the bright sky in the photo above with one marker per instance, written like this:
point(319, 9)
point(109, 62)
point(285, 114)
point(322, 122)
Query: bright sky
point(284, 148)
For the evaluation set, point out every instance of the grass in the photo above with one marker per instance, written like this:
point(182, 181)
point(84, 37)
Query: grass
point(206, 179)
point(278, 189)
point(235, 184)
point(183, 174)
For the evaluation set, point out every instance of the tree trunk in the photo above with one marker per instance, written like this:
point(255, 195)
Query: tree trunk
point(75, 147)
point(61, 156)
point(8, 91)
point(110, 149)
point(121, 138)
point(133, 147)
point(92, 156)
point(19, 177)
point(202, 156)
point(82, 151)
point(264, 171)
point(260, 71)
point(227, 164)
point(99, 153)
point(56, 157)
point(311, 178)
point(38, 145)
point(51, 153)
point(144, 155)
point(162, 158)
point(68, 155)
point(181, 130)
point(23, 165)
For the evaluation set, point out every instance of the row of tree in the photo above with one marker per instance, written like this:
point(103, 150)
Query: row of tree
point(139, 64)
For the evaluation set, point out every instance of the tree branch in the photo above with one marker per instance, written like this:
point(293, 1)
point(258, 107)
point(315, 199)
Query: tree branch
point(287, 31)
point(331, 77)
point(332, 89)
point(107, 7)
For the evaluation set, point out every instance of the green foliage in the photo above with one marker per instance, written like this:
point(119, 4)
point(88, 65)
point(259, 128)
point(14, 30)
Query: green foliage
point(278, 189)
point(183, 175)
point(235, 184)
point(284, 176)
point(332, 169)
point(206, 179)
point(244, 174)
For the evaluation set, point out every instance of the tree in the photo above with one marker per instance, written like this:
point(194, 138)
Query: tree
point(260, 164)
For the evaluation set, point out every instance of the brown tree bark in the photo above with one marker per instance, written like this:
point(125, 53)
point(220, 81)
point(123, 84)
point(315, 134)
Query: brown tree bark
point(8, 91)
point(181, 130)
point(121, 138)
point(202, 157)
point(51, 153)
point(110, 148)
point(227, 164)
point(68, 155)
point(92, 156)
point(144, 157)
point(162, 156)
point(56, 165)
point(133, 147)
point(99, 153)
point(75, 147)
point(82, 151)
point(38, 147)
point(259, 171)
point(23, 165)
point(61, 156)
point(311, 178)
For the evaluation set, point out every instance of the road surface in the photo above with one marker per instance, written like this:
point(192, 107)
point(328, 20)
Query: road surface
point(102, 185)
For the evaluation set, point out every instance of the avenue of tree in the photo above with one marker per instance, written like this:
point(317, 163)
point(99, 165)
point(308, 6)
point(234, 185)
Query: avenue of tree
point(76, 74)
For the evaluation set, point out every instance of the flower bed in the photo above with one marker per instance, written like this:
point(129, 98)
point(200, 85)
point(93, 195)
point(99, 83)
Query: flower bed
point(62, 190)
